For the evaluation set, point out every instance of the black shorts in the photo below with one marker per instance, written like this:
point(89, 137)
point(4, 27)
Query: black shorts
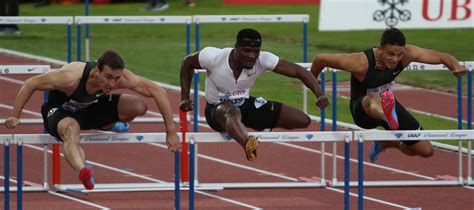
point(405, 120)
point(95, 116)
point(266, 116)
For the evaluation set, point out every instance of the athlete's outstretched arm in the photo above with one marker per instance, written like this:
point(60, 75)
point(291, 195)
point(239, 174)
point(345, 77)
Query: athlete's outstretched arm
point(190, 63)
point(53, 80)
point(347, 62)
point(293, 70)
point(148, 88)
point(423, 55)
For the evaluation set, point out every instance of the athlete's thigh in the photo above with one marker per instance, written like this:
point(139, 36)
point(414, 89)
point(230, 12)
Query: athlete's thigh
point(210, 113)
point(361, 118)
point(52, 116)
point(291, 117)
point(260, 114)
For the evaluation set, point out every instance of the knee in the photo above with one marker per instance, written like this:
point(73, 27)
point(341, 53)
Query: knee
point(305, 121)
point(232, 111)
point(68, 129)
point(427, 153)
point(140, 107)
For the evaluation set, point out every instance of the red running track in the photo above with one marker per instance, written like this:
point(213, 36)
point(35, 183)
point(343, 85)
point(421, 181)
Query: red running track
point(153, 161)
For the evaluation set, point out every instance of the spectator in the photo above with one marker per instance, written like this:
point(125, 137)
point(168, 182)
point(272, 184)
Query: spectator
point(157, 5)
point(9, 8)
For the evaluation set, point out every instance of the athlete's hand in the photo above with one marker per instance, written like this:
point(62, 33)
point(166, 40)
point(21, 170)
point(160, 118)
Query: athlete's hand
point(322, 102)
point(460, 70)
point(12, 122)
point(186, 105)
point(172, 141)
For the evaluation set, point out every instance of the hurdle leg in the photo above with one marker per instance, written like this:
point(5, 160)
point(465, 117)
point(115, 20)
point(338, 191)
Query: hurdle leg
point(6, 198)
point(19, 168)
point(176, 181)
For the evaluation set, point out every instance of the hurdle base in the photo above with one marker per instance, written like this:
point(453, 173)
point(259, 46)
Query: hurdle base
point(258, 185)
point(401, 183)
point(129, 187)
point(469, 181)
point(39, 188)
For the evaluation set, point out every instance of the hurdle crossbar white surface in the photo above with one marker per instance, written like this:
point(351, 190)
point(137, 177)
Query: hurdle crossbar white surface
point(307, 136)
point(24, 69)
point(414, 135)
point(250, 18)
point(36, 20)
point(32, 69)
point(132, 19)
point(136, 120)
point(108, 139)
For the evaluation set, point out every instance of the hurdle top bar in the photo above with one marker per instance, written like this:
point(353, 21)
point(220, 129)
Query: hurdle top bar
point(132, 19)
point(250, 18)
point(24, 69)
point(415, 135)
point(94, 138)
point(36, 19)
point(307, 136)
point(414, 66)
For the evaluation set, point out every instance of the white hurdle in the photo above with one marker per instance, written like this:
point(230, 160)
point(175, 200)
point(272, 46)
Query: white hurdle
point(265, 137)
point(414, 135)
point(127, 138)
point(29, 69)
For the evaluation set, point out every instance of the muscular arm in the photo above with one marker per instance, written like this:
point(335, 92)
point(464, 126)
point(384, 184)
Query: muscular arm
point(190, 63)
point(63, 79)
point(148, 88)
point(353, 63)
point(293, 70)
point(422, 55)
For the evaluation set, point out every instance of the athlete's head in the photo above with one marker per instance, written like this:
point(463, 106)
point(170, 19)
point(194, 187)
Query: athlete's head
point(247, 47)
point(392, 47)
point(110, 66)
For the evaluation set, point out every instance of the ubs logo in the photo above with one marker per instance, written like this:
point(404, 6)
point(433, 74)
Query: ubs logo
point(393, 13)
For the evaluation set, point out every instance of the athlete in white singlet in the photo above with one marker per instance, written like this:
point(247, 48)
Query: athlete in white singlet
point(231, 72)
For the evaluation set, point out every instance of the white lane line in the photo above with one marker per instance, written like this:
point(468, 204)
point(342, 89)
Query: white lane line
point(356, 161)
point(228, 200)
point(78, 200)
point(24, 110)
point(225, 162)
point(148, 178)
point(15, 81)
point(285, 177)
point(372, 199)
point(94, 163)
point(388, 168)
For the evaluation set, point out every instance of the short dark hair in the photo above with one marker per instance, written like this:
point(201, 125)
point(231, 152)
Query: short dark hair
point(248, 37)
point(111, 59)
point(392, 36)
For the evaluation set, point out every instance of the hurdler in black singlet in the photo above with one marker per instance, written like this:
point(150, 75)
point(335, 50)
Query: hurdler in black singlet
point(78, 100)
point(377, 80)
point(91, 111)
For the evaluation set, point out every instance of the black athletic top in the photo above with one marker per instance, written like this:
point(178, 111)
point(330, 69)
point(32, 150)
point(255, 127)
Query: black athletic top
point(374, 78)
point(80, 99)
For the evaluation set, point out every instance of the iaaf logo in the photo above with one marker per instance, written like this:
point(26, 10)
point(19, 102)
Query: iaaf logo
point(414, 135)
point(393, 13)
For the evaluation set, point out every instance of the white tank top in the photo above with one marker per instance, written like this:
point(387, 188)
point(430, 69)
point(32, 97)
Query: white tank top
point(221, 85)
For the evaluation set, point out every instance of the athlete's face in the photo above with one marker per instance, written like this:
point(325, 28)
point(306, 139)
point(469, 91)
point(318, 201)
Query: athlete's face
point(108, 78)
point(247, 56)
point(391, 55)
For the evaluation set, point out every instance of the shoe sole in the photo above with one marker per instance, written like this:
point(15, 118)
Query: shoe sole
point(251, 148)
point(388, 102)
